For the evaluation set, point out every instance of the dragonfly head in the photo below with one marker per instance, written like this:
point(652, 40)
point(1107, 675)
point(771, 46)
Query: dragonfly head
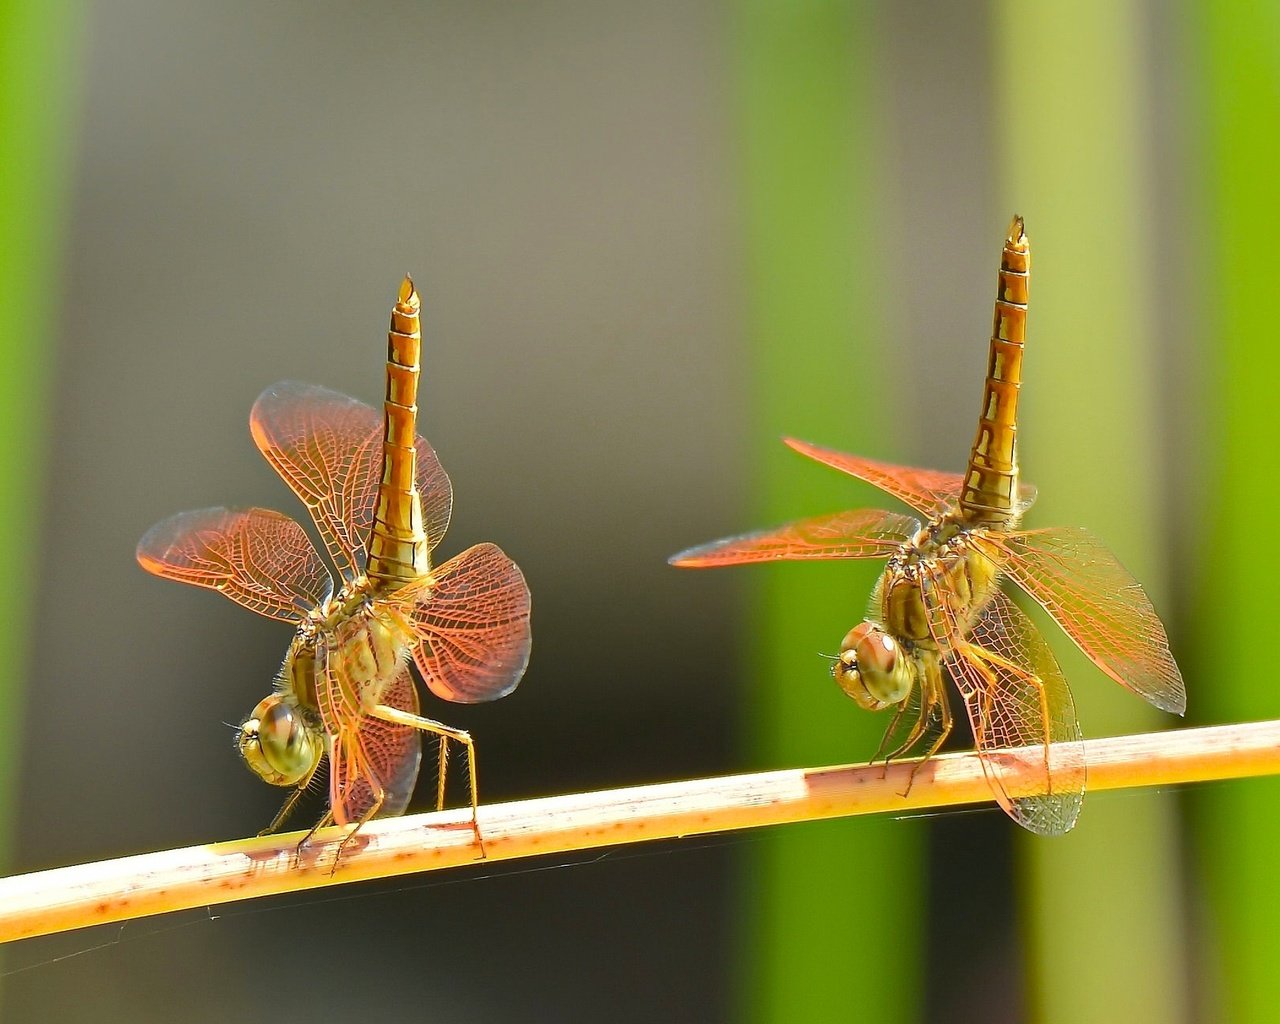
point(872, 668)
point(276, 743)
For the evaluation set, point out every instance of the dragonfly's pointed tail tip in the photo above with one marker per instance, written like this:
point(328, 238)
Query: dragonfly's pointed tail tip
point(1017, 229)
point(407, 289)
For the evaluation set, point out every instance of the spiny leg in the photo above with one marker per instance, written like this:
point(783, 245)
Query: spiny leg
point(944, 724)
point(379, 794)
point(291, 802)
point(935, 715)
point(981, 654)
point(917, 730)
point(899, 711)
point(399, 717)
point(984, 663)
point(285, 810)
point(920, 700)
point(325, 821)
point(356, 770)
point(440, 774)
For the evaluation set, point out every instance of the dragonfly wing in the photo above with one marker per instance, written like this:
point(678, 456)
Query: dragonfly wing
point(472, 615)
point(373, 763)
point(862, 533)
point(1075, 578)
point(1030, 706)
point(258, 558)
point(1027, 494)
point(1016, 697)
point(928, 491)
point(328, 448)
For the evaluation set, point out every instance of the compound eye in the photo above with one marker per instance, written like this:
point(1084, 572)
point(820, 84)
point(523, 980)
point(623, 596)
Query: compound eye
point(873, 668)
point(877, 653)
point(279, 733)
point(854, 637)
point(277, 745)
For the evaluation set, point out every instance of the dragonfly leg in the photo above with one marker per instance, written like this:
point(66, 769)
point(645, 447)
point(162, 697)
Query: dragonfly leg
point(378, 795)
point(880, 753)
point(913, 737)
point(285, 810)
point(443, 769)
point(325, 821)
point(399, 717)
point(982, 654)
point(922, 700)
point(290, 803)
point(935, 718)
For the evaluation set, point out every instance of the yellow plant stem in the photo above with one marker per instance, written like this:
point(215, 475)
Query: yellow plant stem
point(118, 890)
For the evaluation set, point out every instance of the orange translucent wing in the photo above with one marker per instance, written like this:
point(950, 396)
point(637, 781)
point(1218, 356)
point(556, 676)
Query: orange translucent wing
point(374, 764)
point(1016, 696)
point(928, 491)
point(328, 448)
point(258, 558)
point(862, 533)
point(472, 614)
point(1099, 605)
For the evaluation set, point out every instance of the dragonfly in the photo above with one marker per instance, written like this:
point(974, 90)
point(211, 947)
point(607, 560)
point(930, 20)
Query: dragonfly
point(380, 502)
point(941, 608)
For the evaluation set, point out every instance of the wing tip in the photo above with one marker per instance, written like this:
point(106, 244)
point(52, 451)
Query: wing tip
point(689, 558)
point(1163, 689)
point(512, 677)
point(149, 561)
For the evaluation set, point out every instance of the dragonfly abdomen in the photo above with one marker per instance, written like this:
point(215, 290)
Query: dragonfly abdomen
point(398, 551)
point(991, 480)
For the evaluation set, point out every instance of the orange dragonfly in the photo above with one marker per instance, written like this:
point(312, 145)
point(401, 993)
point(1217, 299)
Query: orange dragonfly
point(938, 608)
point(381, 502)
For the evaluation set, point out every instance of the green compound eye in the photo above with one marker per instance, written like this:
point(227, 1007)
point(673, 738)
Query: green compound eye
point(872, 668)
point(277, 745)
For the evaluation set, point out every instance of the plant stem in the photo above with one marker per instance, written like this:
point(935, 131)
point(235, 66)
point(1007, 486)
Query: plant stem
point(118, 890)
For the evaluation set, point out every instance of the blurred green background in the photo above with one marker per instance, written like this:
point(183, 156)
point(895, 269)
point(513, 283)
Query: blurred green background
point(652, 238)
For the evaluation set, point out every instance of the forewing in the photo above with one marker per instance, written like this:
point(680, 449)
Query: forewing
point(928, 491)
point(258, 558)
point(472, 615)
point(1099, 605)
point(328, 448)
point(862, 533)
point(372, 757)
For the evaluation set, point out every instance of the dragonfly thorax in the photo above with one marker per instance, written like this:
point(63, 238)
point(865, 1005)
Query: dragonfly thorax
point(937, 539)
point(942, 560)
point(343, 656)
point(342, 606)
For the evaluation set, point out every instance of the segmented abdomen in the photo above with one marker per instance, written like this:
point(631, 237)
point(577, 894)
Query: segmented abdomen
point(991, 480)
point(398, 551)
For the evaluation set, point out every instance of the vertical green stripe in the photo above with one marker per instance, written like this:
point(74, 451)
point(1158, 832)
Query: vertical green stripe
point(1101, 905)
point(824, 903)
point(37, 99)
point(1238, 605)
